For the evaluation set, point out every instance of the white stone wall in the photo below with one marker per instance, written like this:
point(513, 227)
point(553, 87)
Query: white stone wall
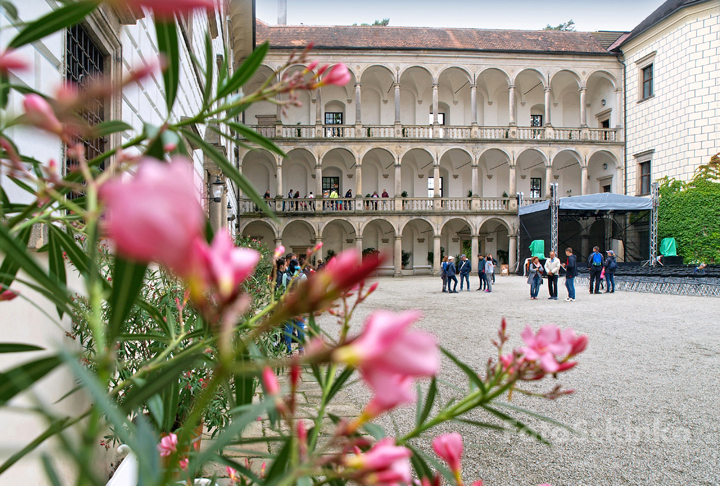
point(680, 123)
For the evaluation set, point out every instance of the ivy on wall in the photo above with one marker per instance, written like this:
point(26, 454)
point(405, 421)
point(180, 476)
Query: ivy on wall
point(690, 213)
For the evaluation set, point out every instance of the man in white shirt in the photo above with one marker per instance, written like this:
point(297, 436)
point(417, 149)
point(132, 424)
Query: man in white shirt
point(552, 267)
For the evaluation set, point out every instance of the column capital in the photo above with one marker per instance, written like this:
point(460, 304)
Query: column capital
point(435, 85)
point(511, 86)
point(396, 84)
point(358, 84)
point(547, 89)
point(398, 237)
point(583, 88)
point(437, 237)
point(473, 86)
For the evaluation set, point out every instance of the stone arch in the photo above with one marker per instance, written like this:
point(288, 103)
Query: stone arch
point(414, 163)
point(364, 225)
point(494, 166)
point(536, 150)
point(567, 164)
point(298, 235)
point(259, 222)
point(335, 235)
point(602, 100)
point(418, 66)
point(473, 230)
point(467, 72)
point(569, 71)
point(259, 167)
point(602, 172)
point(418, 240)
point(383, 67)
point(424, 218)
point(454, 92)
point(578, 156)
point(415, 90)
point(298, 166)
point(497, 69)
point(378, 171)
point(535, 71)
point(603, 73)
point(494, 234)
point(458, 163)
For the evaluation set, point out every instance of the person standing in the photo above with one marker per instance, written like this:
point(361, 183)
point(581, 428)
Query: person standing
point(595, 262)
point(465, 267)
point(450, 271)
point(570, 267)
point(443, 273)
point(610, 267)
point(489, 272)
point(534, 277)
point(552, 268)
point(312, 203)
point(482, 285)
point(297, 324)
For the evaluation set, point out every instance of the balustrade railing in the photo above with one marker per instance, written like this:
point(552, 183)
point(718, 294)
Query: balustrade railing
point(495, 203)
point(296, 205)
point(603, 135)
point(417, 204)
point(494, 133)
point(380, 131)
point(456, 132)
point(338, 204)
point(455, 203)
point(299, 131)
point(378, 204)
point(532, 200)
point(567, 133)
point(267, 131)
point(532, 133)
point(415, 131)
point(338, 131)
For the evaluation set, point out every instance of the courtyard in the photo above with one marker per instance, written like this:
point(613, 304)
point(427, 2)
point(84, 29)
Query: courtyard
point(646, 389)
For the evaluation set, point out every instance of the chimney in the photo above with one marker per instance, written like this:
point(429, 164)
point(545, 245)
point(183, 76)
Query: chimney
point(282, 12)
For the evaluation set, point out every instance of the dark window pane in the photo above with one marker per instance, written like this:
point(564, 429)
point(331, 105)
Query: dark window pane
point(333, 118)
point(535, 120)
point(536, 187)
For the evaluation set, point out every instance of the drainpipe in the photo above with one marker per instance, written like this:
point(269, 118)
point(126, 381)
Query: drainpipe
point(625, 130)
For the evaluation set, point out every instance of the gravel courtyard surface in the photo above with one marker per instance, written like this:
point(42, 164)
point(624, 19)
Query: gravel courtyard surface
point(647, 387)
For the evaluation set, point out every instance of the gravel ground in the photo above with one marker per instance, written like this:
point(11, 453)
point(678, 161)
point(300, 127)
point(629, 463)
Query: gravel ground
point(646, 387)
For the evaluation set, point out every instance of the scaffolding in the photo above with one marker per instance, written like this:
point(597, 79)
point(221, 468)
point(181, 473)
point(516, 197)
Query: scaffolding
point(554, 209)
point(655, 196)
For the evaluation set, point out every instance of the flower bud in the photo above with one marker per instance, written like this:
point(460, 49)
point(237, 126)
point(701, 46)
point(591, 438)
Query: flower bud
point(270, 382)
point(11, 61)
point(337, 75)
point(8, 295)
point(40, 114)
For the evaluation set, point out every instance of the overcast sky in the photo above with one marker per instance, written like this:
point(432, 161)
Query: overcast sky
point(589, 15)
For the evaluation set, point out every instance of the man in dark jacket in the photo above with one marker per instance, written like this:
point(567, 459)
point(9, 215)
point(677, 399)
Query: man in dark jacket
point(450, 272)
point(570, 267)
point(610, 267)
point(465, 267)
point(595, 264)
point(481, 272)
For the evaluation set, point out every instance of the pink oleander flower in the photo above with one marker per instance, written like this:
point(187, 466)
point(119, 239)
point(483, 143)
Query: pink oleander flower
point(166, 8)
point(390, 390)
point(480, 483)
point(10, 60)
point(232, 474)
point(156, 215)
point(279, 251)
point(387, 345)
point(384, 464)
point(547, 346)
point(8, 295)
point(579, 345)
point(337, 75)
point(40, 114)
point(270, 382)
point(168, 445)
point(450, 448)
point(183, 463)
point(227, 265)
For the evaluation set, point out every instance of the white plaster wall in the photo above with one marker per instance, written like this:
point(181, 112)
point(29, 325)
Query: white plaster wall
point(680, 123)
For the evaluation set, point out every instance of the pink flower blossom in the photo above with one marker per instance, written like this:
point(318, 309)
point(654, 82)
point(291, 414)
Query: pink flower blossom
point(270, 382)
point(166, 8)
point(279, 251)
point(8, 295)
point(547, 345)
point(156, 215)
point(10, 60)
point(450, 448)
point(227, 265)
point(390, 390)
point(40, 114)
point(387, 345)
point(168, 445)
point(183, 463)
point(232, 474)
point(479, 483)
point(384, 464)
point(337, 75)
point(579, 345)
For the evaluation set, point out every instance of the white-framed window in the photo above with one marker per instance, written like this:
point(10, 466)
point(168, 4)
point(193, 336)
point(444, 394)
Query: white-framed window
point(431, 187)
point(646, 77)
point(644, 173)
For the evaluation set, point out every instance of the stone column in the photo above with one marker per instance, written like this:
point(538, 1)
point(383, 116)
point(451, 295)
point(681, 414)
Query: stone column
point(583, 180)
point(318, 114)
point(278, 243)
point(583, 108)
point(548, 103)
point(358, 181)
point(512, 182)
point(279, 184)
point(474, 249)
point(319, 254)
point(358, 105)
point(436, 183)
point(473, 104)
point(436, 255)
point(619, 180)
point(397, 259)
point(359, 243)
point(397, 103)
point(475, 181)
point(512, 110)
point(216, 214)
point(398, 180)
point(619, 107)
point(548, 179)
point(512, 252)
point(435, 103)
point(318, 187)
point(278, 119)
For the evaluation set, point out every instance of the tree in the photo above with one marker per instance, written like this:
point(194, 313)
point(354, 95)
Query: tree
point(377, 23)
point(568, 26)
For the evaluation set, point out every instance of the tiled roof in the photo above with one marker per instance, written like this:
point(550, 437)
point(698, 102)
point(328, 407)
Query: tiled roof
point(606, 38)
point(426, 38)
point(663, 11)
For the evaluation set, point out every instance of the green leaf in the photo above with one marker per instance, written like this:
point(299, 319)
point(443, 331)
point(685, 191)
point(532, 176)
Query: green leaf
point(167, 39)
point(421, 468)
point(10, 266)
point(245, 384)
point(127, 282)
point(339, 382)
point(56, 20)
point(375, 430)
point(24, 376)
point(429, 401)
point(278, 467)
point(484, 425)
point(254, 137)
point(18, 348)
point(539, 417)
point(4, 90)
point(519, 426)
point(449, 477)
point(230, 171)
point(472, 375)
point(109, 127)
point(56, 262)
point(50, 471)
point(245, 71)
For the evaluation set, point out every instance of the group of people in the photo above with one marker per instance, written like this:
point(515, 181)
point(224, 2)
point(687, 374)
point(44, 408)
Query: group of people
point(601, 269)
point(333, 204)
point(449, 271)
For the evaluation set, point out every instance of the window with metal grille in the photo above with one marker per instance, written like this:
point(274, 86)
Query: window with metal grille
point(85, 63)
point(536, 120)
point(535, 187)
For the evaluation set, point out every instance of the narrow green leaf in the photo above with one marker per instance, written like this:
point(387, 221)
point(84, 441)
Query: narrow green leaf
point(56, 20)
point(429, 401)
point(127, 282)
point(10, 267)
point(471, 374)
point(54, 428)
point(421, 468)
point(24, 376)
point(4, 90)
point(167, 39)
point(539, 417)
point(483, 425)
point(50, 472)
point(230, 171)
point(18, 348)
point(245, 71)
point(56, 262)
point(278, 467)
point(449, 477)
point(375, 430)
point(519, 426)
point(339, 382)
point(254, 137)
point(109, 127)
point(209, 69)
